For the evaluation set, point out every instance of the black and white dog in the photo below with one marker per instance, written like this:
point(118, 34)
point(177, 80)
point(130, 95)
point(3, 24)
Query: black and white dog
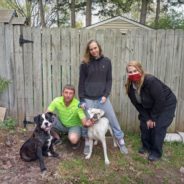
point(41, 142)
point(98, 130)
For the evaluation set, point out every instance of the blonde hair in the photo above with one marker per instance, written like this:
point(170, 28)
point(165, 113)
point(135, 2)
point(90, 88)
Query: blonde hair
point(139, 68)
point(87, 55)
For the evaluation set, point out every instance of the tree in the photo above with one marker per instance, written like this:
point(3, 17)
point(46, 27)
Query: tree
point(72, 13)
point(143, 14)
point(157, 13)
point(112, 8)
point(170, 20)
point(42, 13)
point(88, 12)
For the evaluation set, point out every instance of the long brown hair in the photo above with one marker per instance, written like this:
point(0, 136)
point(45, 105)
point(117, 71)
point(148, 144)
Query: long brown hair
point(87, 55)
point(138, 66)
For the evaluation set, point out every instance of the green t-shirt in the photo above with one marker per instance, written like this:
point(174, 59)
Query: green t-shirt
point(69, 115)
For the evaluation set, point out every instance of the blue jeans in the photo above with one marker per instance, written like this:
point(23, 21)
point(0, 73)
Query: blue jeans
point(109, 114)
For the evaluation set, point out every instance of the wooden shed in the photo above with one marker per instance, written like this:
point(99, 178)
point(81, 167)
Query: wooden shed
point(9, 16)
point(120, 22)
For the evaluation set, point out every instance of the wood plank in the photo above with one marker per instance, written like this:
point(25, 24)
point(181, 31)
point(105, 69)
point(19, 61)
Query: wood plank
point(75, 58)
point(46, 64)
point(28, 73)
point(9, 58)
point(19, 70)
point(3, 69)
point(56, 60)
point(2, 113)
point(37, 72)
point(123, 77)
point(66, 64)
point(160, 56)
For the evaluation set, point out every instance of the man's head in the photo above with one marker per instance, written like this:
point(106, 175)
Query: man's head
point(68, 93)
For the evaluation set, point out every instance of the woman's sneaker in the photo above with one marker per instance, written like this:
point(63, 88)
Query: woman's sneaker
point(122, 147)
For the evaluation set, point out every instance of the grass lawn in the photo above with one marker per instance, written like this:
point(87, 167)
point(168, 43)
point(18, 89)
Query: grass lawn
point(131, 168)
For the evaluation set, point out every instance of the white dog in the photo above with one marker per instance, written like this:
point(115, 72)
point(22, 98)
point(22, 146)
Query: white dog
point(98, 131)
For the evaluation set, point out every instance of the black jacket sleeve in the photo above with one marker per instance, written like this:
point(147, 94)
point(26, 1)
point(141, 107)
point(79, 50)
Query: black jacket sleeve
point(82, 77)
point(157, 93)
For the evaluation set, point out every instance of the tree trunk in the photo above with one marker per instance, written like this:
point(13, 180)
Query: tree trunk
point(42, 14)
point(73, 13)
point(57, 12)
point(88, 12)
point(143, 11)
point(157, 13)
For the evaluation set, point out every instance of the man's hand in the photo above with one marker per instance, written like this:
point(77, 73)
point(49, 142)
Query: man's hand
point(150, 124)
point(88, 123)
point(103, 99)
point(82, 105)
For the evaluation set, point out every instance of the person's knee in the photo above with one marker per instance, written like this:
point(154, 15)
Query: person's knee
point(73, 138)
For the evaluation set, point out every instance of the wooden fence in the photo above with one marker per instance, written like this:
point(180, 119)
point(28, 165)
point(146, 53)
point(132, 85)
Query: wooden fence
point(39, 70)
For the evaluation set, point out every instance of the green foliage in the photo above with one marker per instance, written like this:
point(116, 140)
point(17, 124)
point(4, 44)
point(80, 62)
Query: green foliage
point(113, 8)
point(170, 20)
point(4, 84)
point(9, 124)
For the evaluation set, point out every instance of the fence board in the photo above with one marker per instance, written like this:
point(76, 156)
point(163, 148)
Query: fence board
point(28, 73)
point(46, 64)
point(56, 60)
point(37, 72)
point(10, 63)
point(66, 65)
point(3, 68)
point(75, 59)
point(19, 68)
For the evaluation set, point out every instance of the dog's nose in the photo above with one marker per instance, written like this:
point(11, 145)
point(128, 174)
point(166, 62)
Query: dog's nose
point(46, 124)
point(95, 116)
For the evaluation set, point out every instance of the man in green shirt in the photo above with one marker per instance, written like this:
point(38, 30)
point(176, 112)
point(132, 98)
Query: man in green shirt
point(70, 116)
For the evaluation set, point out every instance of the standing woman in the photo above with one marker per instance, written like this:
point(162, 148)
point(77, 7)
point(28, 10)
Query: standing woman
point(95, 83)
point(156, 104)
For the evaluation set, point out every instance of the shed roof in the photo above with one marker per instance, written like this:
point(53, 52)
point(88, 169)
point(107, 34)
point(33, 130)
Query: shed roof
point(6, 15)
point(18, 20)
point(119, 18)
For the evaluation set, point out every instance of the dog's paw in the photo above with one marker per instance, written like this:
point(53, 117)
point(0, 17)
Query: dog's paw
point(107, 162)
point(55, 154)
point(115, 145)
point(43, 169)
point(95, 142)
point(87, 157)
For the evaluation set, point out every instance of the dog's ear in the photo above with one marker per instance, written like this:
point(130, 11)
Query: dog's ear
point(101, 113)
point(37, 118)
point(51, 116)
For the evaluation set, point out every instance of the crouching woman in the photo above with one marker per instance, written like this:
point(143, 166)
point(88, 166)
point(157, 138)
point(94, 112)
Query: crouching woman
point(156, 104)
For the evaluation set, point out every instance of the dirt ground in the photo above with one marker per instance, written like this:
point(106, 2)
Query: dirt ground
point(14, 170)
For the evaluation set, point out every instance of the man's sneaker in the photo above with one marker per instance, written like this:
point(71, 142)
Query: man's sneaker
point(86, 149)
point(76, 146)
point(122, 147)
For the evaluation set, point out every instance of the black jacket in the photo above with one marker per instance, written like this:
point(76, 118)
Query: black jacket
point(156, 97)
point(95, 78)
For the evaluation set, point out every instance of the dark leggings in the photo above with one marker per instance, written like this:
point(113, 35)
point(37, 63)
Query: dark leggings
point(152, 139)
